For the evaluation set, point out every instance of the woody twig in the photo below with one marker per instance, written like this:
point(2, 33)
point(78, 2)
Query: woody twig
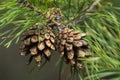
point(84, 14)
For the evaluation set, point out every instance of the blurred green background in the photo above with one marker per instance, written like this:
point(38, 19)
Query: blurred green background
point(13, 67)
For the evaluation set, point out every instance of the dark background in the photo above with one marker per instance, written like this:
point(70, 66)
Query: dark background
point(13, 67)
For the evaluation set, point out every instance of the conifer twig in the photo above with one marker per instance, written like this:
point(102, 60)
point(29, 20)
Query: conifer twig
point(74, 22)
point(84, 14)
point(31, 7)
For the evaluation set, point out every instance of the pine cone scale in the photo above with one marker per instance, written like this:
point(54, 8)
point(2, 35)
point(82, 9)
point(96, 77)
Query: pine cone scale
point(47, 52)
point(34, 39)
point(70, 39)
point(33, 51)
point(63, 41)
point(23, 53)
point(41, 38)
point(27, 41)
point(52, 47)
point(48, 43)
point(41, 46)
point(70, 55)
point(52, 39)
point(69, 47)
point(77, 43)
point(38, 58)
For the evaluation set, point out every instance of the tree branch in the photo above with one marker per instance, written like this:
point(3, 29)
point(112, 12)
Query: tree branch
point(60, 25)
point(31, 7)
point(84, 14)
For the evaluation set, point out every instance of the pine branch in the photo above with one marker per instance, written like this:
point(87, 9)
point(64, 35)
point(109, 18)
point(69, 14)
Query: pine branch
point(84, 14)
point(47, 15)
point(28, 5)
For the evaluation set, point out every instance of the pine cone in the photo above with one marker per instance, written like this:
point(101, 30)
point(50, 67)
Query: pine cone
point(72, 46)
point(38, 43)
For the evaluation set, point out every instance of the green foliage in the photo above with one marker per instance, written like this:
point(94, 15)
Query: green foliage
point(101, 24)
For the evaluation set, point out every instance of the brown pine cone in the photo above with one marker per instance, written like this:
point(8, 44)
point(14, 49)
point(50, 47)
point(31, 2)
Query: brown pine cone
point(72, 46)
point(38, 43)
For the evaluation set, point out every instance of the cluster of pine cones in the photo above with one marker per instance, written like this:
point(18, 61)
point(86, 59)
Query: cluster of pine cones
point(39, 43)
